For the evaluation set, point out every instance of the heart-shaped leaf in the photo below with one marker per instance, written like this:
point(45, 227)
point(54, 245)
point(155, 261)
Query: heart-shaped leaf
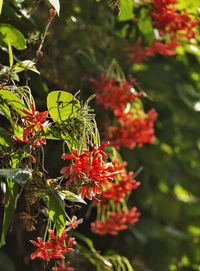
point(62, 105)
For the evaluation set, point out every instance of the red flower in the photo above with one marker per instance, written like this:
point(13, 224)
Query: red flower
point(74, 223)
point(38, 119)
point(171, 23)
point(137, 54)
point(119, 190)
point(114, 94)
point(132, 130)
point(169, 20)
point(56, 244)
point(136, 51)
point(42, 252)
point(52, 249)
point(116, 222)
point(62, 267)
point(30, 131)
point(37, 143)
point(89, 172)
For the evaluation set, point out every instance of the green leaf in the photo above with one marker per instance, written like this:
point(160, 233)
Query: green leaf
point(10, 54)
point(10, 34)
point(70, 139)
point(11, 193)
point(145, 24)
point(88, 255)
point(7, 72)
point(72, 197)
point(190, 5)
point(4, 110)
point(90, 244)
point(86, 240)
point(1, 5)
point(13, 100)
point(17, 157)
point(25, 65)
point(56, 5)
point(14, 76)
point(57, 212)
point(5, 138)
point(126, 7)
point(18, 175)
point(62, 105)
point(52, 133)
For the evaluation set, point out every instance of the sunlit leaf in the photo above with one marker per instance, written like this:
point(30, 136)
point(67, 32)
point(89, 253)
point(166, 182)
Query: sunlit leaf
point(1, 5)
point(189, 5)
point(10, 54)
point(145, 24)
point(10, 34)
point(62, 105)
point(71, 197)
point(25, 65)
point(126, 7)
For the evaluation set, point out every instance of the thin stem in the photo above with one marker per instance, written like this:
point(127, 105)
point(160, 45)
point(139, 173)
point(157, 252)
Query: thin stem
point(39, 50)
point(47, 227)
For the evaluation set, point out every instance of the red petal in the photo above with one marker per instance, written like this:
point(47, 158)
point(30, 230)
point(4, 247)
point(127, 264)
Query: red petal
point(67, 156)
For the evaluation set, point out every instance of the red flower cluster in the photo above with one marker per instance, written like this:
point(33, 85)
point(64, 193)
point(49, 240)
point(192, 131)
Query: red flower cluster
point(138, 54)
point(118, 191)
point(61, 267)
point(133, 131)
point(52, 249)
point(116, 222)
point(115, 94)
point(33, 123)
point(169, 20)
point(89, 171)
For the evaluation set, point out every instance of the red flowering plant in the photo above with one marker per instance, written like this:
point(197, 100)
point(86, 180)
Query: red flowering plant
point(112, 212)
point(130, 125)
point(88, 174)
point(170, 26)
point(133, 129)
point(33, 123)
point(115, 94)
point(53, 248)
point(168, 19)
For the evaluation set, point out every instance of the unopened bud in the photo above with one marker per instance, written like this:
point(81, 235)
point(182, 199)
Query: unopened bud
point(52, 13)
